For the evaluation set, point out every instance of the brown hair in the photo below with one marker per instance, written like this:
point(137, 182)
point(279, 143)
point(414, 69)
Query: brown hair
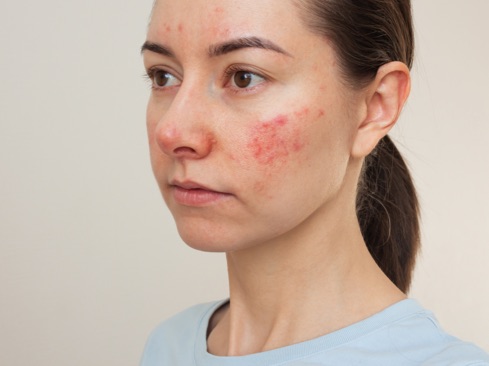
point(367, 34)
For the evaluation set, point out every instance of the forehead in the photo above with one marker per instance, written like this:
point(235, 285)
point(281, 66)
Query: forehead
point(205, 22)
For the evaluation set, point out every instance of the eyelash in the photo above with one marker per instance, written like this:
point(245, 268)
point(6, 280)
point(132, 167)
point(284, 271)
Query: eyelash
point(228, 76)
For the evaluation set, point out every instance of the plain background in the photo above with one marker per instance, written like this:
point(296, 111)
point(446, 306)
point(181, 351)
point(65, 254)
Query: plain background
point(90, 261)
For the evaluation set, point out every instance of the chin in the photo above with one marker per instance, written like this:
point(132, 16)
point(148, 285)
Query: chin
point(209, 236)
point(205, 239)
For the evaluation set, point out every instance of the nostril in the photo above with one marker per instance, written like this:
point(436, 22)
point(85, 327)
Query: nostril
point(184, 151)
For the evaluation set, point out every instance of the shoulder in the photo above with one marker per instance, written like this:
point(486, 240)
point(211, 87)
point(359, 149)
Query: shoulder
point(177, 335)
point(405, 334)
point(185, 320)
point(419, 338)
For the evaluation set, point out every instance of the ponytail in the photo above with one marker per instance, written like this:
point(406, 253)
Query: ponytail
point(366, 35)
point(388, 213)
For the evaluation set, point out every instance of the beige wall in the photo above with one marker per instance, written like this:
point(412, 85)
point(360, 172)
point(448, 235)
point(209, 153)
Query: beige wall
point(445, 131)
point(89, 258)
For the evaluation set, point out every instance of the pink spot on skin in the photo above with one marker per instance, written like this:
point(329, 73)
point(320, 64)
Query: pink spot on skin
point(167, 28)
point(218, 10)
point(321, 113)
point(302, 113)
point(180, 27)
point(297, 146)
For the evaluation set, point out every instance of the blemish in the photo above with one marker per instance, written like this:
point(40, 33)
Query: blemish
point(218, 10)
point(279, 120)
point(321, 112)
point(167, 28)
point(180, 27)
point(297, 146)
point(302, 113)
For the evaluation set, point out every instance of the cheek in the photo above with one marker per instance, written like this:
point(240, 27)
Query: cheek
point(151, 122)
point(271, 143)
point(276, 142)
point(156, 154)
point(277, 146)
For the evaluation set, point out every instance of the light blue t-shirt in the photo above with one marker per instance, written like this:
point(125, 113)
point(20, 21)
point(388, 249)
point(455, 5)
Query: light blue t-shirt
point(403, 334)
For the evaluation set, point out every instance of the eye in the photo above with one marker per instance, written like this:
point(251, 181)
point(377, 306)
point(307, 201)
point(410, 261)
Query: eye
point(243, 79)
point(162, 78)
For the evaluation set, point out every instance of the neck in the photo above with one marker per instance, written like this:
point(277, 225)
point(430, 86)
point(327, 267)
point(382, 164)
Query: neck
point(267, 277)
point(308, 283)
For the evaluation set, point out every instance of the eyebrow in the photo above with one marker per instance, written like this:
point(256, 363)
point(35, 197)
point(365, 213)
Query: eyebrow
point(221, 48)
point(157, 48)
point(245, 42)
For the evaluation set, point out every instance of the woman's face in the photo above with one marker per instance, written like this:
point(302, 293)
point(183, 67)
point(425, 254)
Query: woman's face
point(250, 127)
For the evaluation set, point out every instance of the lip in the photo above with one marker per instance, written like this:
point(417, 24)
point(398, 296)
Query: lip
point(190, 193)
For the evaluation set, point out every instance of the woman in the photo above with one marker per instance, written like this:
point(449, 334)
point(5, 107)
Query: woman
point(267, 127)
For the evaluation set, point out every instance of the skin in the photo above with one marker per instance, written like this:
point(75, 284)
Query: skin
point(284, 156)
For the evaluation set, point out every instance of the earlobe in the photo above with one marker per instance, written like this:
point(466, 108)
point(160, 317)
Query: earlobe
point(388, 93)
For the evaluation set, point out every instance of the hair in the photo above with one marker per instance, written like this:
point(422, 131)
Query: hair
point(365, 35)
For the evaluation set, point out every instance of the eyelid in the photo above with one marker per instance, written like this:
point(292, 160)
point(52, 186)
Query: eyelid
point(165, 66)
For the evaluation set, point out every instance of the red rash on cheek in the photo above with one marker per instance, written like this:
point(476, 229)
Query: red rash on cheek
point(272, 141)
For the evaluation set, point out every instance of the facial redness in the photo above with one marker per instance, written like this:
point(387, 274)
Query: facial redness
point(272, 141)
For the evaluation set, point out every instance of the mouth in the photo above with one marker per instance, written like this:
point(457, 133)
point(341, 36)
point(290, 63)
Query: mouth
point(194, 194)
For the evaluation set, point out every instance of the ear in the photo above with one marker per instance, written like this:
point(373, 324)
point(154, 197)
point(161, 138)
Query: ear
point(384, 101)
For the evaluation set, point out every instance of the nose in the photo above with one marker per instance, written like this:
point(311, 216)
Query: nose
point(183, 131)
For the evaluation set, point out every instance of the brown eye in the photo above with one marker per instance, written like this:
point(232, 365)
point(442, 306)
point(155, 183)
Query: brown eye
point(243, 79)
point(162, 78)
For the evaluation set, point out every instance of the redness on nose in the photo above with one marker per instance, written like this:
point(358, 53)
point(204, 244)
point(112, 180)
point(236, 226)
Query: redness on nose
point(271, 141)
